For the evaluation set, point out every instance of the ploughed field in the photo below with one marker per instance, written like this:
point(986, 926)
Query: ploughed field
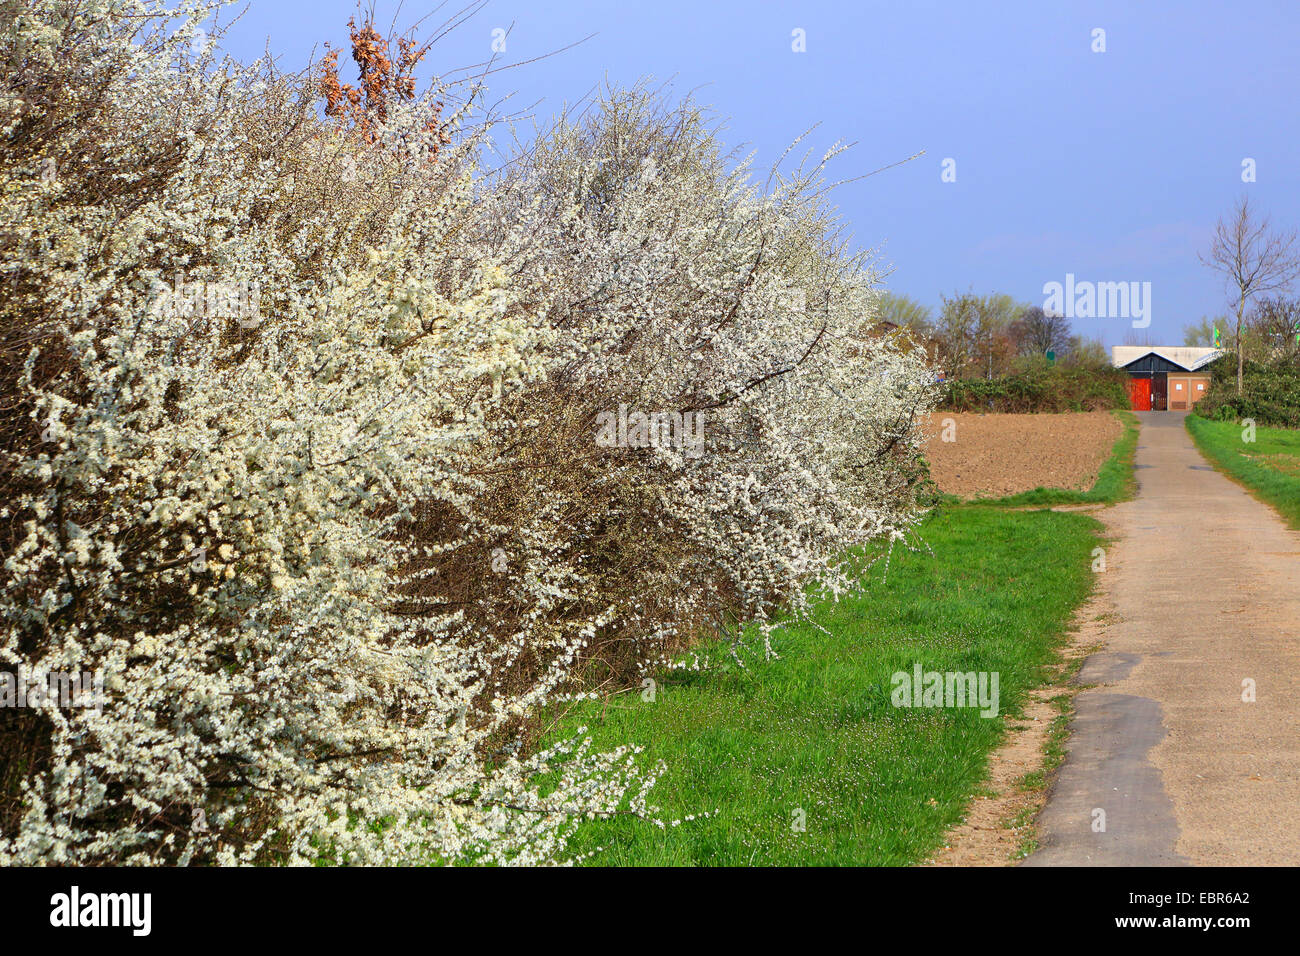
point(996, 455)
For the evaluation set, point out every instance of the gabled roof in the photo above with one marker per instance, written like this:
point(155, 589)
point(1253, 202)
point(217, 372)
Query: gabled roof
point(1189, 358)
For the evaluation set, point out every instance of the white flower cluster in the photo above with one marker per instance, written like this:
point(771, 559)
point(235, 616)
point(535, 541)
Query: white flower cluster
point(669, 281)
point(334, 565)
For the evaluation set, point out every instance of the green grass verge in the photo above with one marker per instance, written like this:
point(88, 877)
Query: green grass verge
point(1268, 466)
point(1115, 481)
point(814, 736)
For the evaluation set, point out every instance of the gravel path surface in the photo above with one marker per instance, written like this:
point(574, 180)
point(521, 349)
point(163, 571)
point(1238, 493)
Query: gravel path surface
point(1204, 583)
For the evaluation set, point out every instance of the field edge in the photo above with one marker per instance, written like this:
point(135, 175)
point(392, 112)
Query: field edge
point(1277, 490)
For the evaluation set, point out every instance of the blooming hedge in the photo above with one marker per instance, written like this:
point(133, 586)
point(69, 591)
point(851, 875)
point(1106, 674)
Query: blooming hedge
point(341, 458)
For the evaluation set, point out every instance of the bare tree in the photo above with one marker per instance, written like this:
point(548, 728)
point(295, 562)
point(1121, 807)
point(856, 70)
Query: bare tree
point(1253, 259)
point(1037, 332)
point(957, 331)
point(975, 333)
point(1086, 353)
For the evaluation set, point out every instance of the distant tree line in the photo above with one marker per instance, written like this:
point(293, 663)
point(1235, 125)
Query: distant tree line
point(987, 336)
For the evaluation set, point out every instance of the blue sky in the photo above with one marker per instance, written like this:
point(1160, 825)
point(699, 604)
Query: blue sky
point(1111, 166)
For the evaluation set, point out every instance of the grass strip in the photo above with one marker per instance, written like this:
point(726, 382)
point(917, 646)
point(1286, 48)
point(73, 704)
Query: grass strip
point(1269, 466)
point(804, 760)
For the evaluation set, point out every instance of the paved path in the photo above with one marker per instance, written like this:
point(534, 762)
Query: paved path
point(1205, 587)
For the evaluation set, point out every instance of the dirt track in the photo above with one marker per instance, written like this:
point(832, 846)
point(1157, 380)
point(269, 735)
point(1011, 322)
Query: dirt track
point(995, 455)
point(1204, 582)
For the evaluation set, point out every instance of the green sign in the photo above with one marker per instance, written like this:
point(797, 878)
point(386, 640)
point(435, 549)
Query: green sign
point(1051, 356)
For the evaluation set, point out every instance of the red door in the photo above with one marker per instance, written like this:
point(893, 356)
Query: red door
point(1139, 394)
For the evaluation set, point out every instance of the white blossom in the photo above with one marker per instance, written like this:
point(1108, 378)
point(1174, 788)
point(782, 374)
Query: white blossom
point(275, 538)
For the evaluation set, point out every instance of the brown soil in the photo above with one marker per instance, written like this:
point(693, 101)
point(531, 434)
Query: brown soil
point(996, 455)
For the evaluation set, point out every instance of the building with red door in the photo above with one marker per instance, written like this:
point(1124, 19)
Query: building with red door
point(1164, 378)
